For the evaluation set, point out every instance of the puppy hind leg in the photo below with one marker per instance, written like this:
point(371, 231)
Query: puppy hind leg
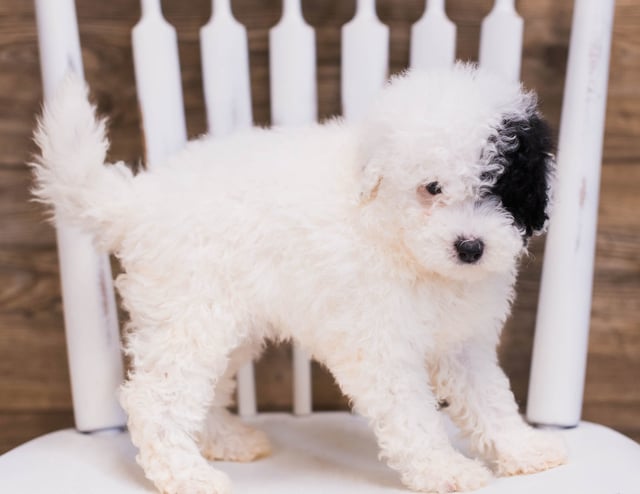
point(170, 388)
point(225, 436)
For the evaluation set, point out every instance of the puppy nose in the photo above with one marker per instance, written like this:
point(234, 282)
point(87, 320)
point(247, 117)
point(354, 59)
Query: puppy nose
point(469, 249)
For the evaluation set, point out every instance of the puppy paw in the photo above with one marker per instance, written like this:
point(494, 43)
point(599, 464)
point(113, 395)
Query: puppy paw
point(530, 451)
point(448, 473)
point(200, 480)
point(238, 443)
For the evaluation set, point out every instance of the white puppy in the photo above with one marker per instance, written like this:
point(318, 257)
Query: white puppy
point(388, 249)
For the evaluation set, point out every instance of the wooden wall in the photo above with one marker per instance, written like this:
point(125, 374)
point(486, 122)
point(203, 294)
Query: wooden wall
point(34, 388)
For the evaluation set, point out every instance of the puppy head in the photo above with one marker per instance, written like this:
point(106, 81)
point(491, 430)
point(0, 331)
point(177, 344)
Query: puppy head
point(457, 165)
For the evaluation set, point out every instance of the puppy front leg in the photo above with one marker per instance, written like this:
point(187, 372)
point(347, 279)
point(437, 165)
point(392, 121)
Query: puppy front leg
point(389, 386)
point(481, 403)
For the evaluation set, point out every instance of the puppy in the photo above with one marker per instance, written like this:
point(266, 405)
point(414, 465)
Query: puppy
point(387, 248)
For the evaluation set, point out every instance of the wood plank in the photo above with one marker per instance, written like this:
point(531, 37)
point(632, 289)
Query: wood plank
point(33, 363)
point(618, 416)
point(22, 222)
point(19, 427)
point(20, 83)
point(29, 281)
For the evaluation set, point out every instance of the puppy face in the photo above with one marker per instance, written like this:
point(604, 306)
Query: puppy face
point(456, 165)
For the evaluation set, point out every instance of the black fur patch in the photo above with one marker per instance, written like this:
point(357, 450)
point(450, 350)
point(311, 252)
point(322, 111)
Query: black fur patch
point(523, 149)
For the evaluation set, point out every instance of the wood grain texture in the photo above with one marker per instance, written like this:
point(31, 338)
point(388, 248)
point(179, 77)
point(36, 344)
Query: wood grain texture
point(34, 388)
point(21, 426)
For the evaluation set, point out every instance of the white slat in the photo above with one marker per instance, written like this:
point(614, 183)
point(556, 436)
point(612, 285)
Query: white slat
point(292, 70)
point(433, 38)
point(365, 59)
point(225, 71)
point(302, 391)
point(501, 40)
point(246, 392)
point(227, 91)
point(91, 322)
point(564, 308)
point(292, 67)
point(158, 84)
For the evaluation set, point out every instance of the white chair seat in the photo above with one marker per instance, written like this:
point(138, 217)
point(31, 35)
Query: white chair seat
point(323, 453)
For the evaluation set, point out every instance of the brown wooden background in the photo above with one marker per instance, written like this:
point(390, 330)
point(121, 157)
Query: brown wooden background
point(34, 388)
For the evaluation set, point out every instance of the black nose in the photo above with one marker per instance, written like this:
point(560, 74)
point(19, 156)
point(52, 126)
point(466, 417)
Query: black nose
point(469, 249)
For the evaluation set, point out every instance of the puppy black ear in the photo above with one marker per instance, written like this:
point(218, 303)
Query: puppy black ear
point(524, 149)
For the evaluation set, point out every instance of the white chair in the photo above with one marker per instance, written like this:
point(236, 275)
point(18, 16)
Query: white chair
point(328, 452)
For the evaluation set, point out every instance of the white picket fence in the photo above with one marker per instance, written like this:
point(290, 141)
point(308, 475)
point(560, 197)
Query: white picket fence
point(561, 336)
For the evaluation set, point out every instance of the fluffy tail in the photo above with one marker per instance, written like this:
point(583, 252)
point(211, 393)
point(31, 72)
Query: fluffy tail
point(70, 174)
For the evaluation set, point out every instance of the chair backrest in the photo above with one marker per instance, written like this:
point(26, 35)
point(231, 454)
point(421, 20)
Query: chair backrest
point(560, 344)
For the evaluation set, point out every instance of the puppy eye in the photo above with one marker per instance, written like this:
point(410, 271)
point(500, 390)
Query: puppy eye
point(433, 188)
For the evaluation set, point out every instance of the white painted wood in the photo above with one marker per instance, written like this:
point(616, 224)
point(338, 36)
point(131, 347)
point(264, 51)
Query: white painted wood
point(91, 322)
point(564, 308)
point(158, 84)
point(292, 71)
point(326, 453)
point(365, 59)
point(433, 38)
point(246, 392)
point(225, 71)
point(227, 92)
point(501, 40)
point(292, 68)
point(302, 389)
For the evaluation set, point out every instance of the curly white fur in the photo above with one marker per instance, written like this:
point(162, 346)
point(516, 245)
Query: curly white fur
point(323, 235)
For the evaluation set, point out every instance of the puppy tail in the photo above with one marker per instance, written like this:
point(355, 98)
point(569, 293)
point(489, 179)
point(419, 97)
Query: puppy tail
point(69, 173)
